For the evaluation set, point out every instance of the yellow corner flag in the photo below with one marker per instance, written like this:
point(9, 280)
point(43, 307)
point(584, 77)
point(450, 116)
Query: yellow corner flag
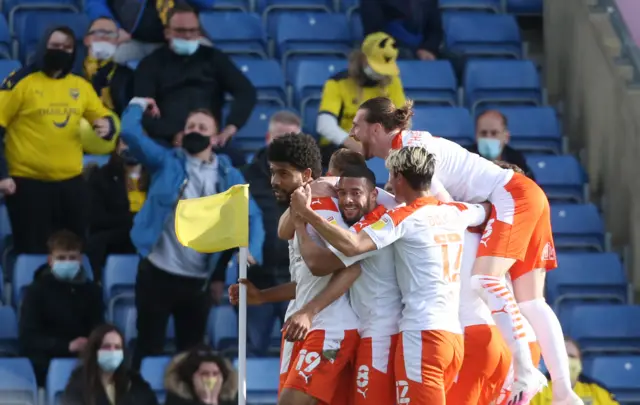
point(215, 223)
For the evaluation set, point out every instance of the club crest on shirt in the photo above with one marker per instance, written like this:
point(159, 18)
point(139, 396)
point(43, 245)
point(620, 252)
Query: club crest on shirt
point(382, 222)
point(332, 221)
point(330, 355)
point(74, 93)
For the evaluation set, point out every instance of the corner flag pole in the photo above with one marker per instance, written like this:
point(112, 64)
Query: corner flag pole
point(242, 326)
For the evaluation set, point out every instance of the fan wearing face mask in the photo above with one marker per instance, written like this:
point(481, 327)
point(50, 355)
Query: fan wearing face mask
point(112, 81)
point(60, 307)
point(492, 141)
point(103, 376)
point(372, 72)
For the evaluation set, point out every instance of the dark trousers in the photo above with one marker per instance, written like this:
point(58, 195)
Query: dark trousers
point(39, 208)
point(103, 243)
point(158, 296)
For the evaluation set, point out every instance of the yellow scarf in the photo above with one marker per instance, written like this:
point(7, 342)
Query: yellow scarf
point(163, 7)
point(91, 67)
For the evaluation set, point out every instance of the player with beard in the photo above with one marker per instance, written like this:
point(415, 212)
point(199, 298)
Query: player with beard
point(313, 365)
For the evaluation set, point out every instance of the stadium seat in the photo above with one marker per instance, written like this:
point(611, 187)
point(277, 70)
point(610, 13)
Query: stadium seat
point(453, 123)
point(26, 267)
point(99, 160)
point(466, 34)
point(5, 41)
point(235, 5)
point(223, 328)
point(57, 378)
point(8, 332)
point(604, 328)
point(534, 129)
point(524, 7)
point(31, 26)
point(621, 376)
point(577, 227)
point(272, 10)
point(17, 382)
point(471, 5)
point(262, 380)
point(5, 233)
point(380, 170)
point(231, 275)
point(308, 34)
point(561, 177)
point(514, 82)
point(236, 33)
point(357, 30)
point(152, 370)
point(118, 285)
point(131, 330)
point(253, 135)
point(267, 78)
point(308, 77)
point(429, 82)
point(585, 278)
point(348, 6)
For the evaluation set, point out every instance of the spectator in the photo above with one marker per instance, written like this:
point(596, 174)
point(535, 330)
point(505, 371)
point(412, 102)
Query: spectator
point(41, 106)
point(113, 82)
point(372, 72)
point(141, 24)
point(199, 377)
point(172, 278)
point(118, 190)
point(492, 139)
point(183, 77)
point(589, 390)
point(103, 377)
point(60, 306)
point(275, 266)
point(415, 24)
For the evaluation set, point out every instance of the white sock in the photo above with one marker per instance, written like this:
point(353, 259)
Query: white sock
point(506, 315)
point(549, 333)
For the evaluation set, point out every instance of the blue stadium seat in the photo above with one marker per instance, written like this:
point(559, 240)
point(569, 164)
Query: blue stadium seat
point(379, 169)
point(307, 34)
point(253, 135)
point(272, 10)
point(466, 34)
point(586, 277)
point(152, 370)
point(231, 275)
point(223, 328)
point(357, 30)
point(118, 285)
point(5, 41)
point(267, 78)
point(524, 7)
point(31, 26)
point(501, 82)
point(99, 160)
point(5, 231)
point(8, 66)
point(262, 380)
point(236, 33)
point(621, 375)
point(348, 6)
point(453, 123)
point(131, 330)
point(25, 268)
point(235, 5)
point(471, 5)
point(605, 328)
point(577, 227)
point(429, 82)
point(57, 378)
point(8, 332)
point(561, 177)
point(17, 382)
point(308, 77)
point(534, 129)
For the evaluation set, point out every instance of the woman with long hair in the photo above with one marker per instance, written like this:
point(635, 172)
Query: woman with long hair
point(103, 378)
point(200, 377)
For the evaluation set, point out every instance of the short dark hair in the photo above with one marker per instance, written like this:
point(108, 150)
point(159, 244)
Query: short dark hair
point(344, 157)
point(64, 240)
point(503, 117)
point(180, 8)
point(359, 172)
point(299, 150)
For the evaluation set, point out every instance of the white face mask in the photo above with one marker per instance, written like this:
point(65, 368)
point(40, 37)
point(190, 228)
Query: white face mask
point(373, 75)
point(103, 50)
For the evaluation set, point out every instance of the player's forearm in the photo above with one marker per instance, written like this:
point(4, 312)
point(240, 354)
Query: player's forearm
point(343, 240)
point(320, 260)
point(285, 226)
point(279, 293)
point(339, 284)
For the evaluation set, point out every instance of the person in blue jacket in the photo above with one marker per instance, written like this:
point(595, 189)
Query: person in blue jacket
point(172, 278)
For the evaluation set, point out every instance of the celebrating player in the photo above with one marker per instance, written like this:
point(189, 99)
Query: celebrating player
point(517, 239)
point(427, 242)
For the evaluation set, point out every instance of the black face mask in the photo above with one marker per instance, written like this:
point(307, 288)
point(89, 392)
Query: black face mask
point(195, 142)
point(128, 158)
point(57, 60)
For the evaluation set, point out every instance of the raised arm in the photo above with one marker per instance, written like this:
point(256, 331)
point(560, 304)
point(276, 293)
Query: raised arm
point(286, 228)
point(319, 259)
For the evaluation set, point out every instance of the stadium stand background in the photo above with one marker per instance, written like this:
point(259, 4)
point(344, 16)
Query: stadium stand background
point(286, 50)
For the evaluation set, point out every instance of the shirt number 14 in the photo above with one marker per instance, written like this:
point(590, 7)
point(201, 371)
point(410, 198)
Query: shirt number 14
point(451, 245)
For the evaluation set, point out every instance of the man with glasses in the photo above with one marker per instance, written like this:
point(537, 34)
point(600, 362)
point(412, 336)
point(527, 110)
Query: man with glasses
point(183, 76)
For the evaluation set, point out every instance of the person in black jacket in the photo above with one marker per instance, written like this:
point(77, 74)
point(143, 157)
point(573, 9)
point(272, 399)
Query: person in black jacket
point(103, 378)
point(492, 141)
point(200, 377)
point(183, 76)
point(60, 307)
point(118, 190)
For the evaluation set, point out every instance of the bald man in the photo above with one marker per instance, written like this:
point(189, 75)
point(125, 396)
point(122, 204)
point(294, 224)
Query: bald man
point(492, 138)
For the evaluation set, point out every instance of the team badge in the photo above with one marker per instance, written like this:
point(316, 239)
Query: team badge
point(74, 93)
point(380, 224)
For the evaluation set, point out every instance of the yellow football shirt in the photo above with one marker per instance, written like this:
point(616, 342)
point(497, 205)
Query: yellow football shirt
point(588, 390)
point(41, 117)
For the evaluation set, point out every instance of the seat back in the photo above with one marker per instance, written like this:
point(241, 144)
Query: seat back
point(308, 77)
point(561, 177)
point(17, 382)
point(534, 129)
point(453, 123)
point(223, 328)
point(235, 33)
point(610, 328)
point(621, 375)
point(152, 369)
point(8, 332)
point(431, 82)
point(466, 33)
point(377, 166)
point(267, 77)
point(57, 378)
point(31, 26)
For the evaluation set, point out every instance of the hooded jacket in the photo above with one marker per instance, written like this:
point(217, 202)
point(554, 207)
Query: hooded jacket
point(178, 392)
